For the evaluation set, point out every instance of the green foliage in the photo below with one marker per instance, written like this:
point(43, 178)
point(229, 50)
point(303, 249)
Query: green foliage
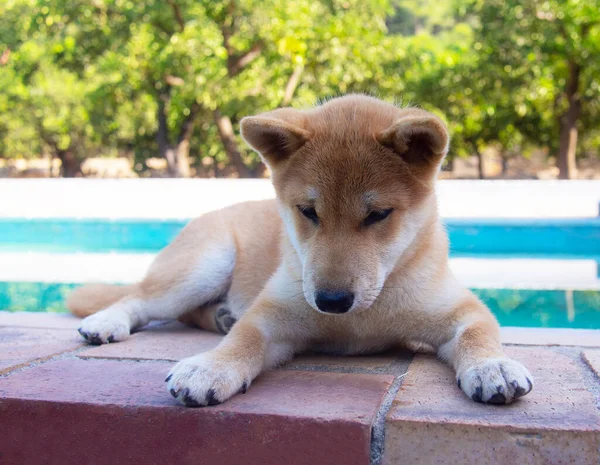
point(526, 48)
point(95, 77)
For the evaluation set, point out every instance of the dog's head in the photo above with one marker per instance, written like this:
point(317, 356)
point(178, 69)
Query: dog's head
point(353, 178)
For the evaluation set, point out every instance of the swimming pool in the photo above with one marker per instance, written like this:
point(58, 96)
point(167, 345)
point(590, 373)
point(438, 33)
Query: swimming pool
point(532, 273)
point(515, 237)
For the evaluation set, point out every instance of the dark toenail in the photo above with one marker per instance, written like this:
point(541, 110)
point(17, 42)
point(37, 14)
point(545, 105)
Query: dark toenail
point(478, 393)
point(519, 391)
point(187, 400)
point(168, 378)
point(458, 382)
point(222, 312)
point(497, 398)
point(500, 389)
point(211, 398)
point(111, 338)
point(174, 392)
point(530, 384)
point(228, 322)
point(244, 388)
point(94, 338)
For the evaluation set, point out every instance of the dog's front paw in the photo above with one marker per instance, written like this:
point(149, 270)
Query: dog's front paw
point(104, 327)
point(204, 380)
point(496, 381)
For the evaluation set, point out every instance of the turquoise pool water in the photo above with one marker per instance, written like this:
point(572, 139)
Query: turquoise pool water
point(505, 239)
point(560, 238)
point(512, 307)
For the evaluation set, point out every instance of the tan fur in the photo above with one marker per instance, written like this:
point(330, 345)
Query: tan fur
point(92, 298)
point(265, 263)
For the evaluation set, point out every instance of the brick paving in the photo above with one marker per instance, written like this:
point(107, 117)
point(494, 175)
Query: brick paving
point(62, 402)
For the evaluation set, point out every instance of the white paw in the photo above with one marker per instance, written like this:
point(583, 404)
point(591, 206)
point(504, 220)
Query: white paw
point(203, 380)
point(105, 326)
point(496, 381)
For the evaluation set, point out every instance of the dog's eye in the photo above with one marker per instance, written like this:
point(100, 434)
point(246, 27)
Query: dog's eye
point(310, 213)
point(377, 216)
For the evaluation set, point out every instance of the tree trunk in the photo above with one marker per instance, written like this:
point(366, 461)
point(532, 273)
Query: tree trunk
point(186, 131)
point(70, 164)
point(568, 126)
point(230, 144)
point(165, 149)
point(448, 165)
point(291, 86)
point(480, 167)
point(504, 157)
point(49, 157)
point(260, 170)
point(182, 158)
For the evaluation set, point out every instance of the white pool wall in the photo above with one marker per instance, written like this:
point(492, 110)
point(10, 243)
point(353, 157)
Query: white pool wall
point(187, 198)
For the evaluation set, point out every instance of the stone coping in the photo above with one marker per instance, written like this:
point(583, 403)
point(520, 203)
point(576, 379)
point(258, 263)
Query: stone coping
point(64, 402)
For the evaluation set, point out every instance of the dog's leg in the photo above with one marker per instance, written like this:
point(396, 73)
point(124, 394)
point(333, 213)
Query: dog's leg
point(193, 271)
point(483, 371)
point(214, 317)
point(268, 334)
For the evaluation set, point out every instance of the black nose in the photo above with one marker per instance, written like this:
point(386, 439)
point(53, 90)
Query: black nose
point(334, 301)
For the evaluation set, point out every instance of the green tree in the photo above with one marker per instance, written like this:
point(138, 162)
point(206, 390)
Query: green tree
point(42, 105)
point(173, 78)
point(181, 66)
point(551, 52)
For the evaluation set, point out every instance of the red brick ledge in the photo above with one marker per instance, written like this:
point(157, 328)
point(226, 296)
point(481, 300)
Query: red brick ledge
point(76, 411)
point(91, 405)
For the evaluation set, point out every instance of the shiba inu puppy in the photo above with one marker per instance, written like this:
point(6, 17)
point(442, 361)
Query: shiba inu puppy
point(350, 258)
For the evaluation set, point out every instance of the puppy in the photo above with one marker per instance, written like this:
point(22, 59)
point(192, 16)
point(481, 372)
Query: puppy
point(350, 258)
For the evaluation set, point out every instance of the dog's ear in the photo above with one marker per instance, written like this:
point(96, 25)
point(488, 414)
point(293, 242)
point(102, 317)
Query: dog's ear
point(419, 137)
point(275, 135)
